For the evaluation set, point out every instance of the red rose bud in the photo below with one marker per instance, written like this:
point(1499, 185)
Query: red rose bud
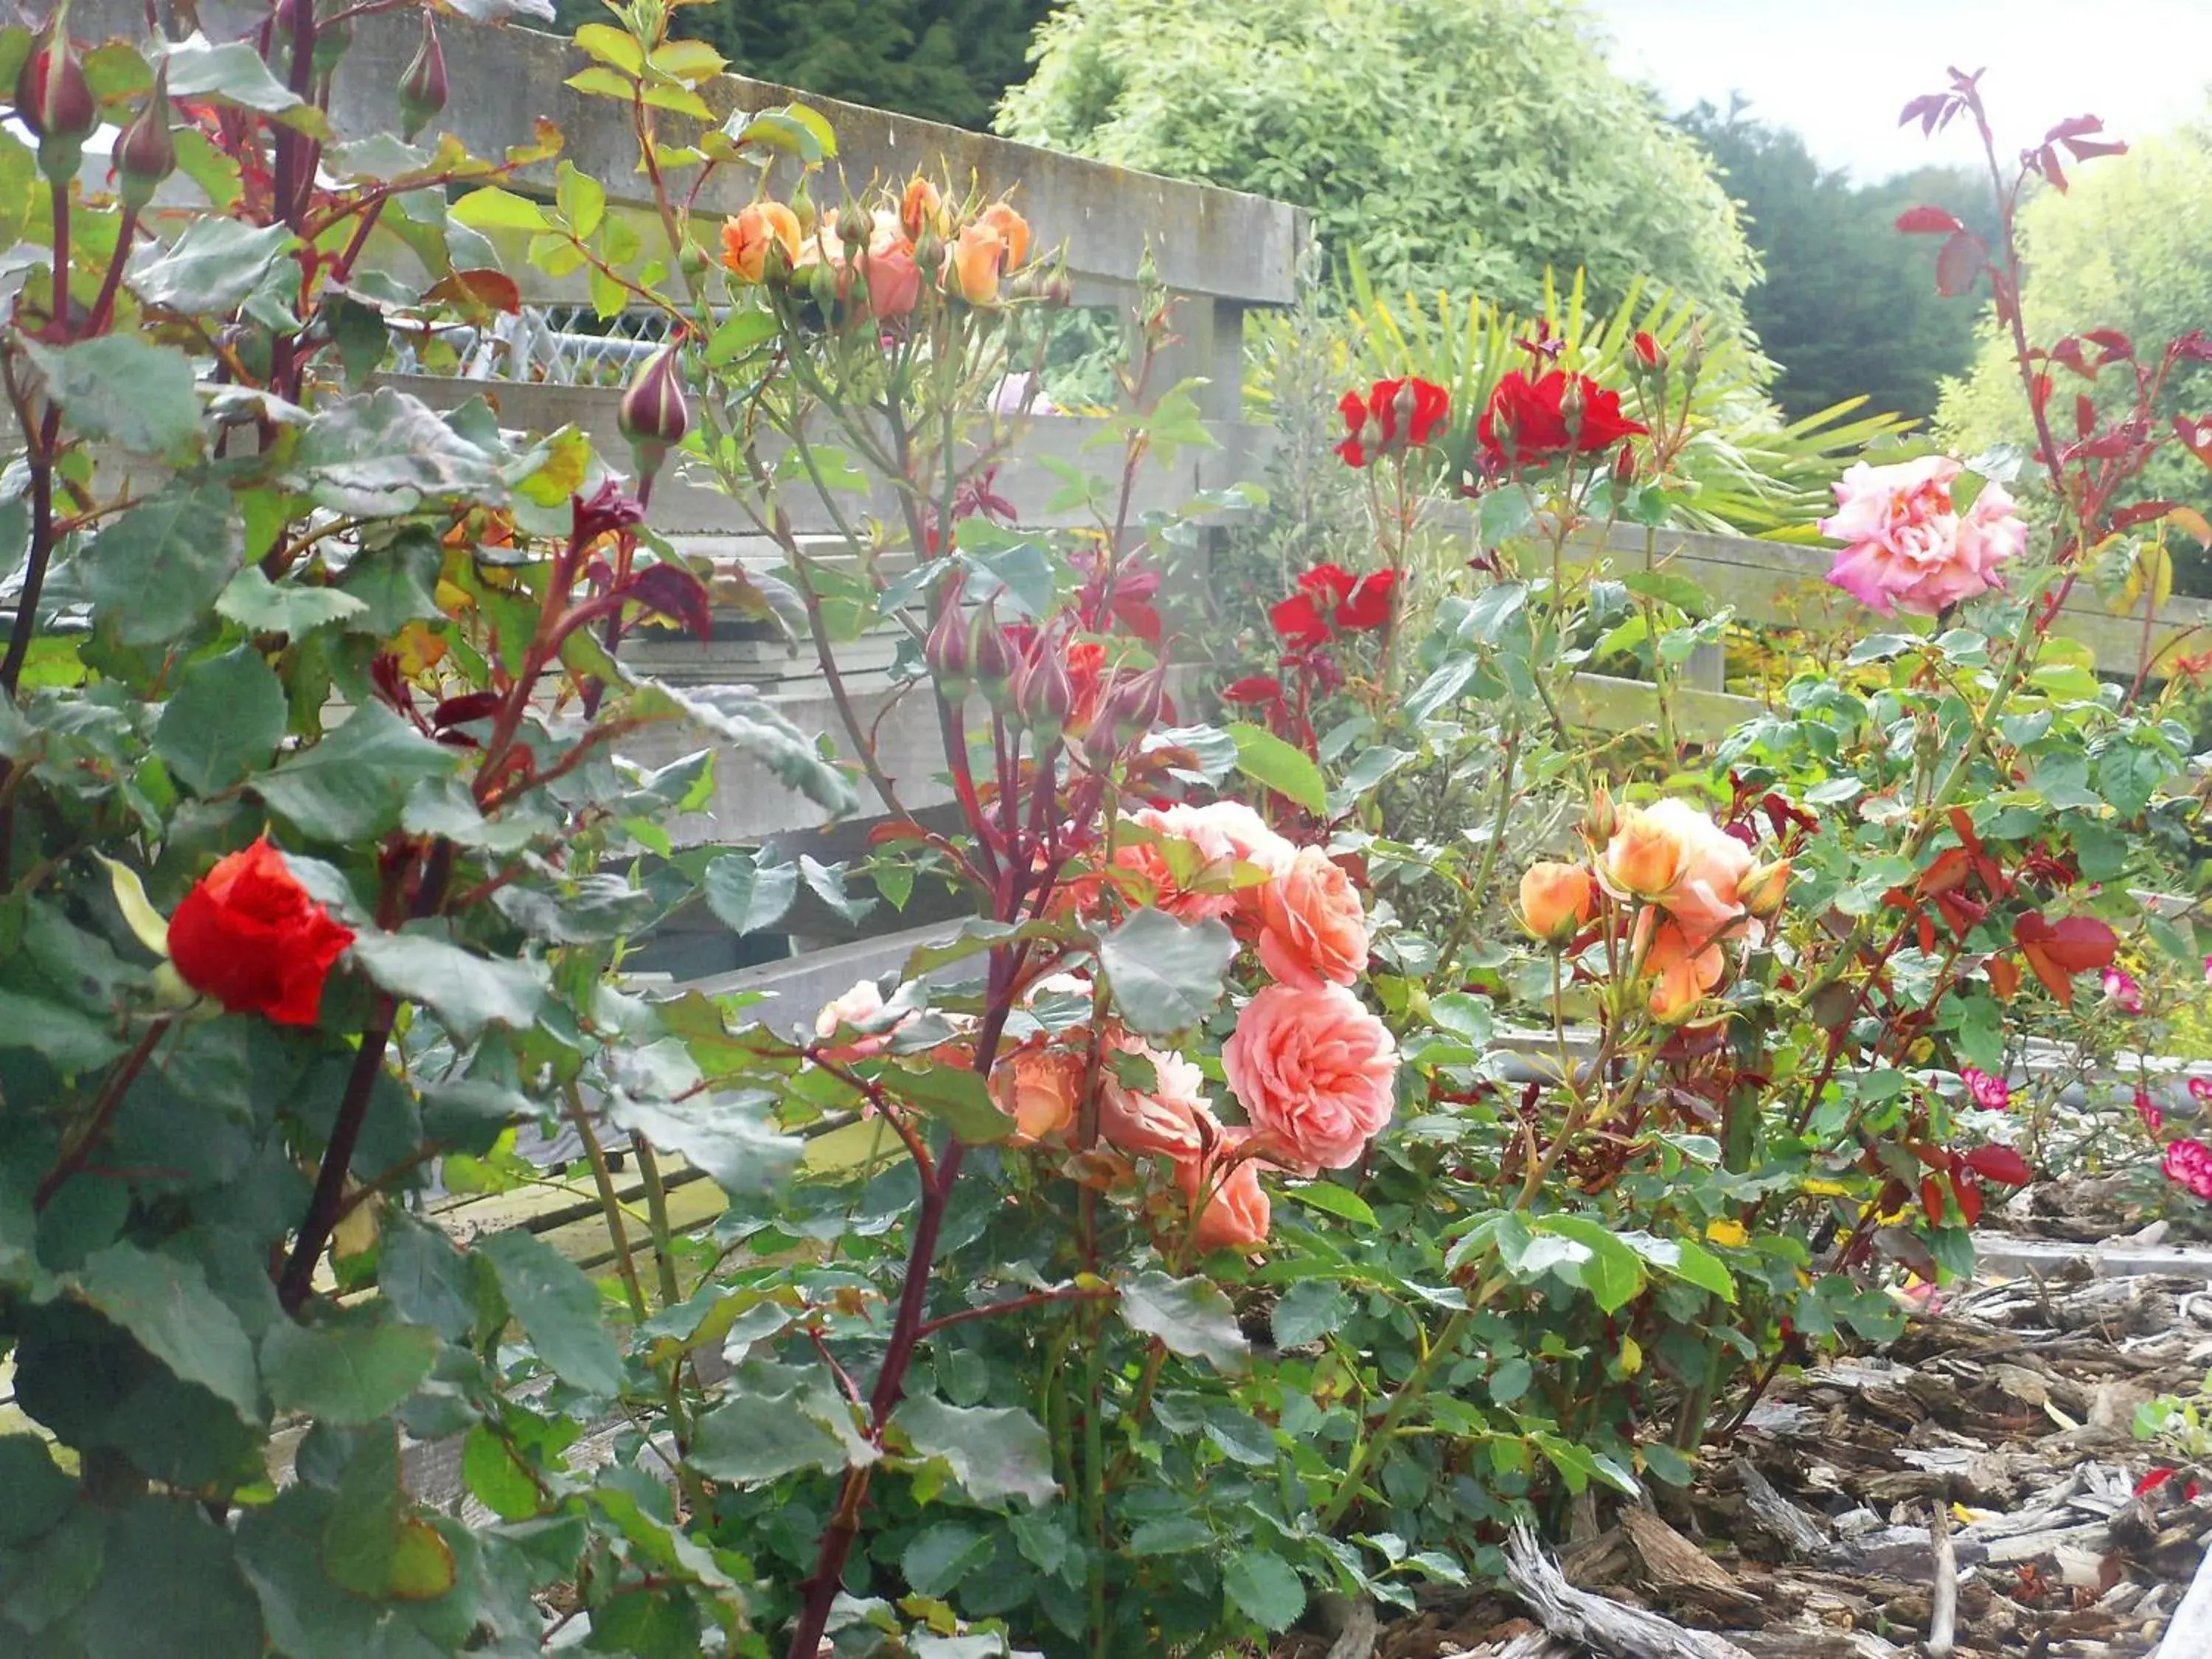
point(1043, 693)
point(1624, 467)
point(655, 416)
point(946, 652)
point(249, 936)
point(1135, 707)
point(423, 88)
point(147, 152)
point(54, 100)
point(1651, 356)
point(991, 655)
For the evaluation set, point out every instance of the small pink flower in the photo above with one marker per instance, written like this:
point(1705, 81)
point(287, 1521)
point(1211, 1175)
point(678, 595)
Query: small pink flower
point(2152, 1113)
point(1906, 547)
point(2207, 967)
point(1991, 1094)
point(2189, 1164)
point(2120, 987)
point(861, 1006)
point(2200, 1089)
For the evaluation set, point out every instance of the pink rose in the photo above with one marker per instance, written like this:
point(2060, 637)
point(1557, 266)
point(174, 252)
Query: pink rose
point(1170, 1118)
point(2152, 1113)
point(862, 1005)
point(2189, 1164)
point(1038, 1088)
point(894, 278)
point(1991, 1094)
point(1675, 856)
point(1232, 1211)
point(1201, 859)
point(1313, 926)
point(1314, 1071)
point(1906, 547)
point(2122, 991)
point(1235, 827)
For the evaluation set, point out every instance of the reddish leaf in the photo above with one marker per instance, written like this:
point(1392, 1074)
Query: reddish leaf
point(1969, 1194)
point(2141, 513)
point(495, 290)
point(1931, 1200)
point(1960, 262)
point(2042, 392)
point(2045, 161)
point(2068, 352)
point(2085, 414)
point(1927, 222)
point(674, 593)
point(470, 706)
point(2058, 951)
point(2004, 977)
point(2111, 345)
point(2195, 435)
point(1253, 688)
point(2001, 1164)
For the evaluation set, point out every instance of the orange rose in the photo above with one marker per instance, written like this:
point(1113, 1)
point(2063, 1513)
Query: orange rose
point(1012, 228)
point(972, 265)
point(1038, 1088)
point(1556, 900)
point(921, 208)
point(1312, 925)
point(1230, 1206)
point(1681, 973)
point(1170, 1118)
point(747, 238)
point(1315, 1071)
point(1676, 857)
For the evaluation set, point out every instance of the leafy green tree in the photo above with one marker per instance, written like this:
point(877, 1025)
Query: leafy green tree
point(1849, 306)
point(2129, 247)
point(1465, 144)
point(943, 60)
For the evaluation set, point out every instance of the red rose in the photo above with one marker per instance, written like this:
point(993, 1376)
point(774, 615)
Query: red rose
point(1367, 605)
point(1424, 406)
point(249, 936)
point(1299, 619)
point(1329, 584)
point(1530, 421)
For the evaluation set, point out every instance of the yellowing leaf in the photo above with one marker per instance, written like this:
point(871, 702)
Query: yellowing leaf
point(2194, 522)
point(147, 924)
point(1730, 1233)
point(1631, 1356)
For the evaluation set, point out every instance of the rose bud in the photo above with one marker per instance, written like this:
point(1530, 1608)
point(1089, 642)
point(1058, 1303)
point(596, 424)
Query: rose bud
point(249, 935)
point(802, 208)
point(423, 87)
point(945, 651)
point(1601, 820)
point(146, 154)
point(1643, 858)
point(655, 416)
point(993, 656)
point(1012, 230)
point(1651, 356)
point(1764, 889)
point(1134, 708)
point(920, 207)
point(854, 227)
point(1043, 693)
point(54, 100)
point(1556, 900)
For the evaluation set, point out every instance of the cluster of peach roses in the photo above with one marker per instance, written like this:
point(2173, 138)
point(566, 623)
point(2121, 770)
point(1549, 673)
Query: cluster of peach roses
point(1667, 890)
point(1312, 1069)
point(891, 249)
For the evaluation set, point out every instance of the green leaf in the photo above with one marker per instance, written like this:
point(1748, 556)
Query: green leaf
point(1165, 974)
point(1241, 1436)
point(1308, 1310)
point(155, 569)
point(1266, 759)
point(261, 607)
point(425, 1279)
point(169, 1310)
point(1670, 587)
point(1510, 1380)
point(234, 73)
point(386, 454)
point(1264, 1588)
point(492, 1471)
point(1611, 1272)
point(137, 396)
point(468, 992)
point(739, 333)
point(729, 1137)
point(494, 209)
point(1686, 1260)
point(212, 268)
point(170, 1586)
point(581, 198)
point(995, 1453)
point(827, 883)
point(1330, 1199)
point(350, 787)
point(748, 723)
point(1190, 1315)
point(956, 1098)
point(72, 1041)
point(557, 1309)
point(777, 1420)
point(348, 1374)
point(939, 1556)
point(226, 719)
point(1172, 1534)
point(39, 1493)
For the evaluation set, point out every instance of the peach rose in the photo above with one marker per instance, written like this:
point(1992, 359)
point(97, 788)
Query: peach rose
point(973, 264)
point(1012, 230)
point(861, 1006)
point(1039, 1089)
point(1675, 856)
point(1170, 1118)
point(1681, 973)
point(1314, 1071)
point(1312, 925)
point(1556, 899)
point(1232, 1211)
point(1205, 862)
point(893, 278)
point(747, 238)
point(1244, 832)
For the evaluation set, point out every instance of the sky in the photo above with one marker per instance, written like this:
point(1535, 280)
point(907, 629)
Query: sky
point(1839, 71)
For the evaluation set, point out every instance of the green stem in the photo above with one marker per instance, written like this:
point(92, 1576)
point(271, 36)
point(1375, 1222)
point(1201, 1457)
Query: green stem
point(1402, 1401)
point(610, 1204)
point(656, 1210)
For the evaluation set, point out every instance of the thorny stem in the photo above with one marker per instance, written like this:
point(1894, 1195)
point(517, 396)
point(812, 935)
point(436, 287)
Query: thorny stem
point(610, 1203)
point(299, 1275)
point(656, 1210)
point(103, 1113)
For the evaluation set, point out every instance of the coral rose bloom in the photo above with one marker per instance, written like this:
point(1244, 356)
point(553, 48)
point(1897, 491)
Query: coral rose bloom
point(1233, 1212)
point(1682, 971)
point(249, 936)
point(1312, 925)
point(894, 279)
point(1039, 1089)
point(973, 262)
point(1234, 830)
point(1314, 1071)
point(1012, 230)
point(747, 237)
point(1556, 900)
point(1209, 864)
point(1675, 856)
point(1170, 1118)
point(1906, 548)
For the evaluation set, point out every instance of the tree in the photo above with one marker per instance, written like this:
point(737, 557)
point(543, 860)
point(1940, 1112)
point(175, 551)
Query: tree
point(2129, 245)
point(1848, 308)
point(943, 60)
point(1468, 143)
